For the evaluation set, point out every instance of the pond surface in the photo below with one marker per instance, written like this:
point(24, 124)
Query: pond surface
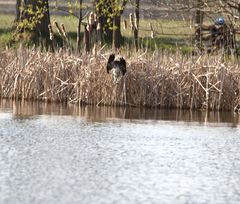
point(53, 154)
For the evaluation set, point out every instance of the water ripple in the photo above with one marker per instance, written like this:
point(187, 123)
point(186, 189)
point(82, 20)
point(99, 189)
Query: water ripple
point(67, 159)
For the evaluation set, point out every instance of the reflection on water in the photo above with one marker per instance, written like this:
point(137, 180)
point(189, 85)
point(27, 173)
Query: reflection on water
point(66, 154)
point(97, 114)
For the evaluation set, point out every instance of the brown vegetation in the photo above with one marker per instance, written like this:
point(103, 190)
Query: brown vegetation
point(156, 80)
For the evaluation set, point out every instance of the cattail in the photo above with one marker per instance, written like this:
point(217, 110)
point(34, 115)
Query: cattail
point(152, 32)
point(95, 18)
point(88, 27)
point(63, 30)
point(125, 24)
point(135, 21)
point(131, 21)
point(98, 26)
point(151, 27)
point(94, 50)
point(51, 32)
point(58, 28)
point(91, 19)
point(56, 4)
point(171, 88)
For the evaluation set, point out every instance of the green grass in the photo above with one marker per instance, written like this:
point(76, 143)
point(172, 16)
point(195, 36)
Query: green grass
point(70, 22)
point(175, 29)
point(6, 25)
point(169, 34)
point(161, 40)
point(6, 21)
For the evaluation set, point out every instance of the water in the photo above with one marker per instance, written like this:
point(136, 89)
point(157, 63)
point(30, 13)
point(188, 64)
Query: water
point(53, 154)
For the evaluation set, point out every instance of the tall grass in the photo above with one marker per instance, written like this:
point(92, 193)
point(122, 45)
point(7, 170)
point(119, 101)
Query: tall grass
point(159, 79)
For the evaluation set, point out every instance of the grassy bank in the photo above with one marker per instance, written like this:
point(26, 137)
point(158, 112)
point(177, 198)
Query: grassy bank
point(156, 80)
point(180, 32)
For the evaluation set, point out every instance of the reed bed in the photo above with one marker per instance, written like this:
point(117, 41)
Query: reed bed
point(160, 80)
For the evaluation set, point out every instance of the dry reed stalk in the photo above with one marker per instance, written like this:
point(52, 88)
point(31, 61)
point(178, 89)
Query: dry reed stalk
point(152, 80)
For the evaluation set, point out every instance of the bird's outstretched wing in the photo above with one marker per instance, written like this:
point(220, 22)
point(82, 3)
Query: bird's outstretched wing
point(123, 66)
point(110, 62)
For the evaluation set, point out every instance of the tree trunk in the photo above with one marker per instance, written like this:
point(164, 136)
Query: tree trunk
point(105, 23)
point(79, 27)
point(110, 24)
point(136, 25)
point(199, 22)
point(42, 27)
point(86, 40)
point(34, 18)
point(18, 5)
point(199, 12)
point(116, 32)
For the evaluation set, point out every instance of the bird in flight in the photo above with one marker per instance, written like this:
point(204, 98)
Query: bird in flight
point(117, 67)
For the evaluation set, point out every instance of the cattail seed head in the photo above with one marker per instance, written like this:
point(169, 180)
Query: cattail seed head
point(58, 28)
point(131, 21)
point(152, 32)
point(91, 18)
point(98, 26)
point(95, 18)
point(50, 32)
point(63, 30)
point(88, 27)
point(125, 24)
point(135, 21)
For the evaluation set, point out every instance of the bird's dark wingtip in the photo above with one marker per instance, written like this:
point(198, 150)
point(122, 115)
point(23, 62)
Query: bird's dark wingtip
point(111, 58)
point(109, 63)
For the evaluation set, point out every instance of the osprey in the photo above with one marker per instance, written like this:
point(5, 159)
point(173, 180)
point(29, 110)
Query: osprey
point(117, 67)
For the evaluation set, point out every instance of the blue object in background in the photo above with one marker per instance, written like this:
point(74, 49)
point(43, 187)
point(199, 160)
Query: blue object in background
point(219, 21)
